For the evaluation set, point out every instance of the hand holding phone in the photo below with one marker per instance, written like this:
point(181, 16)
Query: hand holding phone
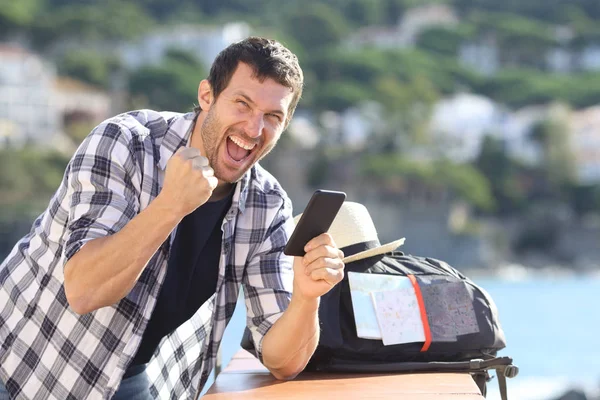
point(315, 220)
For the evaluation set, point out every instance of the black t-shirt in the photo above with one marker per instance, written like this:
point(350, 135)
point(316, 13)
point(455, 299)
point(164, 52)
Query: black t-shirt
point(192, 274)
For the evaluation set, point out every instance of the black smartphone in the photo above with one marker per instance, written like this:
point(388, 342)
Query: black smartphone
point(315, 220)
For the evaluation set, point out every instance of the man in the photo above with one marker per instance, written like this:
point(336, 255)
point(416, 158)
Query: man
point(126, 282)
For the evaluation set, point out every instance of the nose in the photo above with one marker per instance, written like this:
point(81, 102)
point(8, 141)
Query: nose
point(255, 125)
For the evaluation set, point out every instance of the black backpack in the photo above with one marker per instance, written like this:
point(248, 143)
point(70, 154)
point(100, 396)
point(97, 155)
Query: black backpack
point(341, 350)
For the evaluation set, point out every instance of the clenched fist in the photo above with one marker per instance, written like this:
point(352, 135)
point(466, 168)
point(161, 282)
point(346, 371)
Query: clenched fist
point(189, 180)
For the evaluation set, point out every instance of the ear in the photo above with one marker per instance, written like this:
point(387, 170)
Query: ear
point(205, 95)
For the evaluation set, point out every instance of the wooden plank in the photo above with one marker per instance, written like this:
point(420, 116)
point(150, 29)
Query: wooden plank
point(245, 365)
point(245, 378)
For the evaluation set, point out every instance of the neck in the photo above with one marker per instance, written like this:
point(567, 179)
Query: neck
point(196, 139)
point(221, 191)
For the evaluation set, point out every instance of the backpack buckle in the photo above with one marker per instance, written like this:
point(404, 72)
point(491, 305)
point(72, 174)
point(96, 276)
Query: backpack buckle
point(475, 363)
point(510, 371)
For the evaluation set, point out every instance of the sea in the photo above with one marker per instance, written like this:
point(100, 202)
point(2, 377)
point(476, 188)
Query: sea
point(552, 328)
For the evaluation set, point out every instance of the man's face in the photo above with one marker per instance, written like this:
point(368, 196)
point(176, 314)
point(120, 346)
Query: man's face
point(244, 123)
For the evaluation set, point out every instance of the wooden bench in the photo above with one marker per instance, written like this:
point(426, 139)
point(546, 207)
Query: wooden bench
point(245, 378)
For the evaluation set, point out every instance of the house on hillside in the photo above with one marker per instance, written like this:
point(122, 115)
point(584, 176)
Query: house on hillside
point(590, 58)
point(459, 124)
point(482, 55)
point(519, 126)
point(27, 109)
point(75, 99)
point(405, 33)
point(585, 144)
point(485, 55)
point(203, 41)
point(418, 19)
point(80, 106)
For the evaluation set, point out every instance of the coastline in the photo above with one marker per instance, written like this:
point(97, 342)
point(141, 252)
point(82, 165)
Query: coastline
point(515, 272)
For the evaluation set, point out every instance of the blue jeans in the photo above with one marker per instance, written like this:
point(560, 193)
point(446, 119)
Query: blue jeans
point(133, 388)
point(3, 392)
point(136, 387)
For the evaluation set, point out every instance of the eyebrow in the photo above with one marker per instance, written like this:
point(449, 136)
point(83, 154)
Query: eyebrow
point(249, 100)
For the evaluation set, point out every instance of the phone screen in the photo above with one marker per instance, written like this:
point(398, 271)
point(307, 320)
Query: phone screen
point(315, 220)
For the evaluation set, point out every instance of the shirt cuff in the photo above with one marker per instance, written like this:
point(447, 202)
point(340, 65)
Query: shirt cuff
point(259, 333)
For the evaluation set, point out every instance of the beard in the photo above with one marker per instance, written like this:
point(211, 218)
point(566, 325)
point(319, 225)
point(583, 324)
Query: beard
point(212, 139)
point(209, 131)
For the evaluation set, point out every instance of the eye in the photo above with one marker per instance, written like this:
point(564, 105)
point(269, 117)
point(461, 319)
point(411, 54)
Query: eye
point(274, 117)
point(243, 104)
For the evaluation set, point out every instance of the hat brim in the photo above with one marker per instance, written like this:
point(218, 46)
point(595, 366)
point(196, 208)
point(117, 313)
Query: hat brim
point(375, 251)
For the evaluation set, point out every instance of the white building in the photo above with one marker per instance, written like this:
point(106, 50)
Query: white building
point(375, 36)
point(482, 55)
point(27, 110)
point(517, 133)
point(590, 58)
point(418, 19)
point(585, 143)
point(405, 34)
point(75, 97)
point(204, 42)
point(560, 60)
point(460, 123)
point(303, 130)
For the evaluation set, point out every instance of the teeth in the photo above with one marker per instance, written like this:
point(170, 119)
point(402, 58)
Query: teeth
point(241, 144)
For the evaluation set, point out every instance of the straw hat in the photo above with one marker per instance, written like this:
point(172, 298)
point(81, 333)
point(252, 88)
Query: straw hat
point(354, 233)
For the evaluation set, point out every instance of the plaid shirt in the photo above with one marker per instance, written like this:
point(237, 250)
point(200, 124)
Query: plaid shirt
point(50, 352)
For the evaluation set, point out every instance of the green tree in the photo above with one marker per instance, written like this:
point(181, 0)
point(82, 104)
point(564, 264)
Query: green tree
point(502, 173)
point(17, 15)
point(317, 26)
point(353, 66)
point(462, 181)
point(89, 66)
point(552, 135)
point(172, 85)
point(28, 178)
point(441, 40)
point(363, 12)
point(392, 11)
point(521, 41)
point(468, 183)
point(585, 199)
point(339, 95)
point(408, 107)
point(110, 20)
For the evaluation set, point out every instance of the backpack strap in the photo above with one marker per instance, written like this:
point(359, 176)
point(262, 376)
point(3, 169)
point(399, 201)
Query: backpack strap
point(475, 365)
point(503, 372)
point(504, 369)
point(503, 366)
point(502, 385)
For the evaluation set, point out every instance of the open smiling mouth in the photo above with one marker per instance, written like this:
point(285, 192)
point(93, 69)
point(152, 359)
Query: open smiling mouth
point(239, 149)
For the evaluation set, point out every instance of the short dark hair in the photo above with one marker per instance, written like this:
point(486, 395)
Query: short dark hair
point(268, 58)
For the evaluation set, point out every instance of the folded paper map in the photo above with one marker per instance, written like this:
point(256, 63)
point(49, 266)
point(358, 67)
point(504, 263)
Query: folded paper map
point(386, 308)
point(361, 285)
point(398, 316)
point(449, 310)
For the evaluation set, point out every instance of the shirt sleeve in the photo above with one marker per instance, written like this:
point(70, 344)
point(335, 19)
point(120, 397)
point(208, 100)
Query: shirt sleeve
point(103, 187)
point(268, 279)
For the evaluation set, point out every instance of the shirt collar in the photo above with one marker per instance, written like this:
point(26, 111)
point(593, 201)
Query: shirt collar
point(241, 193)
point(177, 135)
